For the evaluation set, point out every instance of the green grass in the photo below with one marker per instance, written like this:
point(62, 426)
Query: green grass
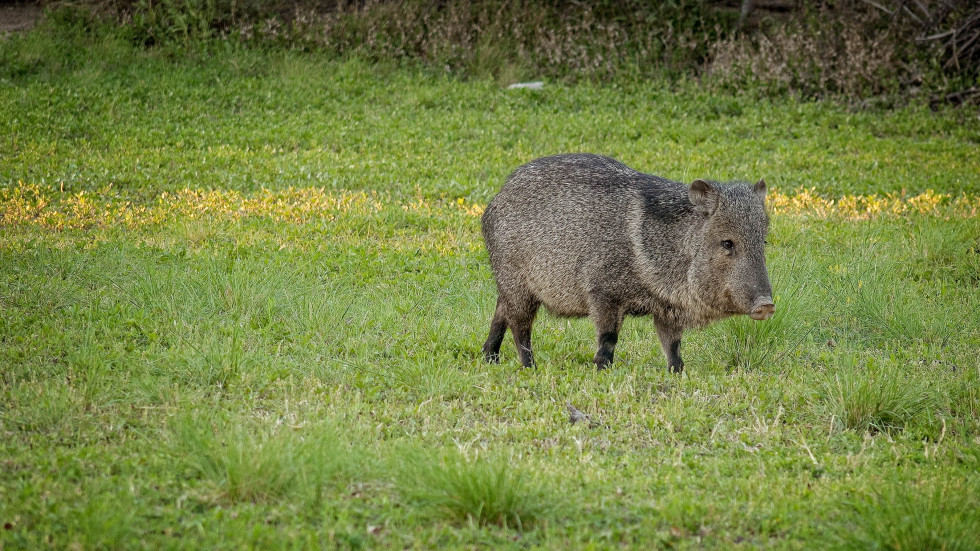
point(933, 514)
point(274, 365)
point(874, 395)
point(246, 463)
point(482, 491)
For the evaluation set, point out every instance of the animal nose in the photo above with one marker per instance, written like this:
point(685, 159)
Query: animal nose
point(763, 309)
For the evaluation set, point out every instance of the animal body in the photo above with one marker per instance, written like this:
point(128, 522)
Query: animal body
point(585, 235)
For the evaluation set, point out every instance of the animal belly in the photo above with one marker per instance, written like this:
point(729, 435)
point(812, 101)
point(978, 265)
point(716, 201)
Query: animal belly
point(561, 296)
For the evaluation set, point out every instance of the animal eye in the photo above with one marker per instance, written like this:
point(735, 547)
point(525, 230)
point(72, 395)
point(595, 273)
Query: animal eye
point(728, 245)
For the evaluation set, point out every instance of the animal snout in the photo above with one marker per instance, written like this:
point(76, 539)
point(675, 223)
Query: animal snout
point(763, 309)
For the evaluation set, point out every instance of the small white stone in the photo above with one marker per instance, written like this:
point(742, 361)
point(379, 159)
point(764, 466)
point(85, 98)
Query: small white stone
point(536, 85)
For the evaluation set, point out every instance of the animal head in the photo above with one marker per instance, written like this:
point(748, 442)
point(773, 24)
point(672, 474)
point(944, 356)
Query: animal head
point(729, 264)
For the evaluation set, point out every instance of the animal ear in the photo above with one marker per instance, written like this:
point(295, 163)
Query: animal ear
point(703, 196)
point(760, 188)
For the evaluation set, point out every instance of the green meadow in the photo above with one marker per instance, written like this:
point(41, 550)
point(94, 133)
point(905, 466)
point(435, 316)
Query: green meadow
point(243, 294)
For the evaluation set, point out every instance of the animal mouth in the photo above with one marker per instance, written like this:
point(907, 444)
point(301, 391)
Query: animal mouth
point(763, 310)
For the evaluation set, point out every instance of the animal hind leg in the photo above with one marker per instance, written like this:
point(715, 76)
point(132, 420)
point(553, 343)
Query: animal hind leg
point(491, 348)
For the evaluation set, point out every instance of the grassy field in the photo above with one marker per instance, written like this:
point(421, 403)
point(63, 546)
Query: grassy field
point(243, 294)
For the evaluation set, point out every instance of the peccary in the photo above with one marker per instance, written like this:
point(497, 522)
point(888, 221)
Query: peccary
point(586, 235)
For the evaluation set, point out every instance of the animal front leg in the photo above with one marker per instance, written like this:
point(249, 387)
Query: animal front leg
point(670, 341)
point(608, 319)
point(522, 339)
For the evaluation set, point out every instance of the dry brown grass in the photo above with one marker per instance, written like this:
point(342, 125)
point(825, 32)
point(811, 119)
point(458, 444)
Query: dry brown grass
point(833, 54)
point(504, 40)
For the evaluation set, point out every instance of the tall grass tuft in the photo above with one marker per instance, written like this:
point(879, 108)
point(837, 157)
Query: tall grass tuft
point(427, 378)
point(934, 515)
point(744, 343)
point(883, 304)
point(482, 491)
point(250, 464)
point(943, 250)
point(105, 522)
point(48, 408)
point(748, 344)
point(869, 396)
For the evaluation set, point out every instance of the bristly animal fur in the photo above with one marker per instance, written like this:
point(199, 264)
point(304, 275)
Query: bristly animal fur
point(585, 235)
